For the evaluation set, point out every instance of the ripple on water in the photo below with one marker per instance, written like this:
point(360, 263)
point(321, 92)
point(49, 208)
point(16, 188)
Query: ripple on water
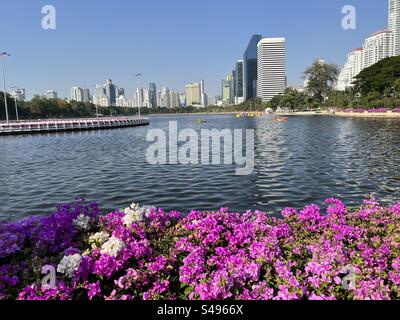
point(303, 161)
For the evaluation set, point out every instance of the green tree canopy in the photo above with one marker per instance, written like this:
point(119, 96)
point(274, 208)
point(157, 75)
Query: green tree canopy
point(381, 77)
point(321, 78)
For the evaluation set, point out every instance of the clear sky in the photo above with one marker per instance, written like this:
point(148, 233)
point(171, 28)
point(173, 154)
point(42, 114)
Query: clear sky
point(172, 42)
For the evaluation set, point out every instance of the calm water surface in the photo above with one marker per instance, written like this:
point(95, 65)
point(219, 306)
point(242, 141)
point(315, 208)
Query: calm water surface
point(305, 160)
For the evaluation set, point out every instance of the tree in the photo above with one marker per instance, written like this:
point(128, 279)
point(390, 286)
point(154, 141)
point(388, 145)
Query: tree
point(321, 78)
point(293, 99)
point(381, 77)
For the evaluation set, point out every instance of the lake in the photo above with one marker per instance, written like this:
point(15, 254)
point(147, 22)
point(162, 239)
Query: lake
point(303, 161)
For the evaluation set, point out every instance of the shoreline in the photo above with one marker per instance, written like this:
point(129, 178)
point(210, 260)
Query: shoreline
point(386, 115)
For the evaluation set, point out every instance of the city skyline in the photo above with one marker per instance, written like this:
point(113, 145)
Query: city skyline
point(38, 71)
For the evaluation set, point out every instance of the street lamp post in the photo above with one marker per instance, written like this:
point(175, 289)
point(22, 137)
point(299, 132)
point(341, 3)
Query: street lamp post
point(4, 54)
point(138, 86)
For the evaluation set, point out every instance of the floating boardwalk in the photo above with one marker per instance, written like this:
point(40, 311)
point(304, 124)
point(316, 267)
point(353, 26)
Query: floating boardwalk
point(49, 126)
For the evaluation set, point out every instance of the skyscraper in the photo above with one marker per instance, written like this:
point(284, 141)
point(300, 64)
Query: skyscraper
point(228, 85)
point(100, 91)
point(202, 94)
point(378, 46)
point(351, 69)
point(86, 95)
point(182, 99)
point(271, 53)
point(394, 24)
point(77, 94)
point(146, 101)
point(250, 67)
point(239, 98)
point(152, 95)
point(110, 92)
point(175, 103)
point(165, 98)
point(139, 97)
point(193, 94)
point(121, 92)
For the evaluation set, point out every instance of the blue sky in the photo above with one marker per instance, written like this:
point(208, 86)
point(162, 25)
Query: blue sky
point(172, 42)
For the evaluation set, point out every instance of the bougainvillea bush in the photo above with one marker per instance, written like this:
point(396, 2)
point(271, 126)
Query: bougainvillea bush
point(146, 253)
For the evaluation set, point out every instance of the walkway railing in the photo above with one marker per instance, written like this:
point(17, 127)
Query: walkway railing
point(43, 126)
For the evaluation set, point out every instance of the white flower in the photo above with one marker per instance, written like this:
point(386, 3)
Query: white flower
point(69, 265)
point(133, 214)
point(98, 239)
point(112, 247)
point(82, 223)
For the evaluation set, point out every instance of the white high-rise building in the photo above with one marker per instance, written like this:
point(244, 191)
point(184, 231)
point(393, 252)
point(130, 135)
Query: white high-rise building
point(351, 69)
point(377, 47)
point(146, 99)
point(120, 101)
point(394, 24)
point(104, 101)
point(139, 98)
point(77, 94)
point(51, 94)
point(271, 68)
point(203, 97)
point(165, 98)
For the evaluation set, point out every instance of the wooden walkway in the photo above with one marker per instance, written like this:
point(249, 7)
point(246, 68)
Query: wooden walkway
point(49, 126)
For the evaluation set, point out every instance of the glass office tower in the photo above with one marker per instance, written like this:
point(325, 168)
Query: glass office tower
point(250, 67)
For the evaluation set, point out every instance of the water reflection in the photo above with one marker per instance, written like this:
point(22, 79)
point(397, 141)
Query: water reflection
point(302, 161)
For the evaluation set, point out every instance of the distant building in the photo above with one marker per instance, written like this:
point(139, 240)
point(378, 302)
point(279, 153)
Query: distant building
point(271, 68)
point(182, 99)
point(159, 98)
point(228, 85)
point(51, 94)
point(100, 91)
point(110, 92)
point(239, 92)
point(121, 92)
point(120, 101)
point(175, 99)
point(377, 47)
point(210, 100)
point(104, 101)
point(394, 24)
point(19, 94)
point(165, 98)
point(146, 100)
point(250, 68)
point(152, 95)
point(77, 94)
point(193, 94)
point(86, 95)
point(139, 98)
point(203, 96)
point(351, 69)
